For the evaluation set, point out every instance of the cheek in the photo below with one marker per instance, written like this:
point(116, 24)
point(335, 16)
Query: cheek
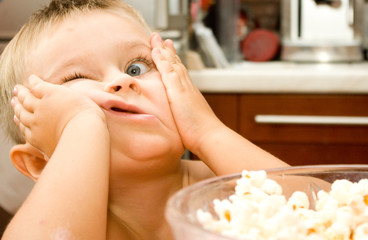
point(157, 92)
point(162, 97)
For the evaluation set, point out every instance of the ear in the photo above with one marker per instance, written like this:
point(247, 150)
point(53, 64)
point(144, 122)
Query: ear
point(28, 160)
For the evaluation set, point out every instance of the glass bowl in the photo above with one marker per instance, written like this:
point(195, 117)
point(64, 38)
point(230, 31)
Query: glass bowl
point(182, 207)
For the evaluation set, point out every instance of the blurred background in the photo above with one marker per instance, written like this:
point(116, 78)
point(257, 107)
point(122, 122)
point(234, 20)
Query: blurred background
point(289, 75)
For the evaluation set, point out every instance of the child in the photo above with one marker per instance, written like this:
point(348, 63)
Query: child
point(103, 132)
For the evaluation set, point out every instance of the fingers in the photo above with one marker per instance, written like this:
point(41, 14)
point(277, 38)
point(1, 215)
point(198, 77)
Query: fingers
point(169, 43)
point(26, 131)
point(156, 41)
point(25, 97)
point(20, 112)
point(171, 51)
point(170, 74)
point(22, 117)
point(167, 48)
point(174, 73)
point(38, 87)
point(25, 102)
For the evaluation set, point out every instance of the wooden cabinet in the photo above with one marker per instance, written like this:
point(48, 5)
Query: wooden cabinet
point(300, 129)
point(226, 108)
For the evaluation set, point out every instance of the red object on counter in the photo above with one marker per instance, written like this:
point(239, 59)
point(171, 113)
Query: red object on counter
point(260, 45)
point(206, 4)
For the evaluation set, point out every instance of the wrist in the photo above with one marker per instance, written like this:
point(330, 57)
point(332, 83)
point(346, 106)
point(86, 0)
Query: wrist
point(208, 138)
point(86, 125)
point(88, 118)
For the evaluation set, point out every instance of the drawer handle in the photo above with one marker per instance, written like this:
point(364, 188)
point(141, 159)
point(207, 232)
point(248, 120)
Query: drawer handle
point(311, 120)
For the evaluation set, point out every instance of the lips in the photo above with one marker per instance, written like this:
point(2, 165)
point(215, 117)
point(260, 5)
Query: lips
point(121, 107)
point(115, 109)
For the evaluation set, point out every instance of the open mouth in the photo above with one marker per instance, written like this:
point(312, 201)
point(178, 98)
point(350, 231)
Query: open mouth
point(116, 109)
point(120, 107)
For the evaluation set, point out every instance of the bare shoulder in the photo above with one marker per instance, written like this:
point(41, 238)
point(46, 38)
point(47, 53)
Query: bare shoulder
point(195, 171)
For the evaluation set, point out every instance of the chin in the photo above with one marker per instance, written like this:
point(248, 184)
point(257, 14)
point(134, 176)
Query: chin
point(155, 154)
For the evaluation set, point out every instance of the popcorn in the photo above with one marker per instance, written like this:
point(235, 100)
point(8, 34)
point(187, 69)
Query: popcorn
point(361, 232)
point(271, 187)
point(257, 178)
point(298, 200)
point(341, 191)
point(259, 210)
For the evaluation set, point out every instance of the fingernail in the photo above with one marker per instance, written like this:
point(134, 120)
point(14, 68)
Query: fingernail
point(170, 44)
point(159, 40)
point(15, 119)
point(158, 36)
point(12, 101)
point(15, 91)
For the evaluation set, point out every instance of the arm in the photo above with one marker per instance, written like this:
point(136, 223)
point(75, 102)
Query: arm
point(69, 200)
point(222, 149)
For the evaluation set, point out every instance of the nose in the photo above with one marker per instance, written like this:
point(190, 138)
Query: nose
point(123, 83)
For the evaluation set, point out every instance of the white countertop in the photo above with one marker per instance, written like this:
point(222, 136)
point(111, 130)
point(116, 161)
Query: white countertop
point(284, 77)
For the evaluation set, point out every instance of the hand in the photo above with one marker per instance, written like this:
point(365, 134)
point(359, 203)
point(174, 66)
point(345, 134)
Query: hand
point(42, 111)
point(193, 116)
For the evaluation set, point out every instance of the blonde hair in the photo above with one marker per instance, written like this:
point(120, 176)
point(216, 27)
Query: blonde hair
point(13, 61)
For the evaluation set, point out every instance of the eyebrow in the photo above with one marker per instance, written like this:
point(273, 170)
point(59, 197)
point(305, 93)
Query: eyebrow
point(61, 69)
point(131, 44)
point(80, 58)
point(85, 57)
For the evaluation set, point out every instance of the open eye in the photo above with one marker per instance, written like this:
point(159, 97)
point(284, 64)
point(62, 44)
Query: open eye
point(137, 68)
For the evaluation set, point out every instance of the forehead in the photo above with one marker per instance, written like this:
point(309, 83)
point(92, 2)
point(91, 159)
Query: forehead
point(87, 34)
point(96, 24)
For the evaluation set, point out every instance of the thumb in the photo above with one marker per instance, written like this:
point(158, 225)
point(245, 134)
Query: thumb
point(38, 86)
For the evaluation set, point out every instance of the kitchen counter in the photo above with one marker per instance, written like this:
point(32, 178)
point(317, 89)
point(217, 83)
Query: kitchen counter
point(284, 77)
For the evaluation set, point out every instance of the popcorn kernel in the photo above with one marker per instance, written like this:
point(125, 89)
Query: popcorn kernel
point(365, 198)
point(227, 215)
point(310, 231)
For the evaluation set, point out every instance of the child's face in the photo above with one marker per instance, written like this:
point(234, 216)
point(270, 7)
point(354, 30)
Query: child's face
point(107, 57)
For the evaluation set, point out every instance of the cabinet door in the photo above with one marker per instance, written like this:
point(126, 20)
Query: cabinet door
point(303, 142)
point(225, 107)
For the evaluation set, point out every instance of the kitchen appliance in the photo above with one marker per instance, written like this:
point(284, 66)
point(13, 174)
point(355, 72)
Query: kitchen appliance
point(322, 30)
point(168, 17)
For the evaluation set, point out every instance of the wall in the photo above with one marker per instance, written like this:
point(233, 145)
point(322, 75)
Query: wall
point(14, 187)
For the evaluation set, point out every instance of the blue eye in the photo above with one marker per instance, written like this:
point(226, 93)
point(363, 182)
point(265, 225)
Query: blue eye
point(137, 69)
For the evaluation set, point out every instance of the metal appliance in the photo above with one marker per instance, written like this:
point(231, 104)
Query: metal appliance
point(322, 30)
point(168, 17)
